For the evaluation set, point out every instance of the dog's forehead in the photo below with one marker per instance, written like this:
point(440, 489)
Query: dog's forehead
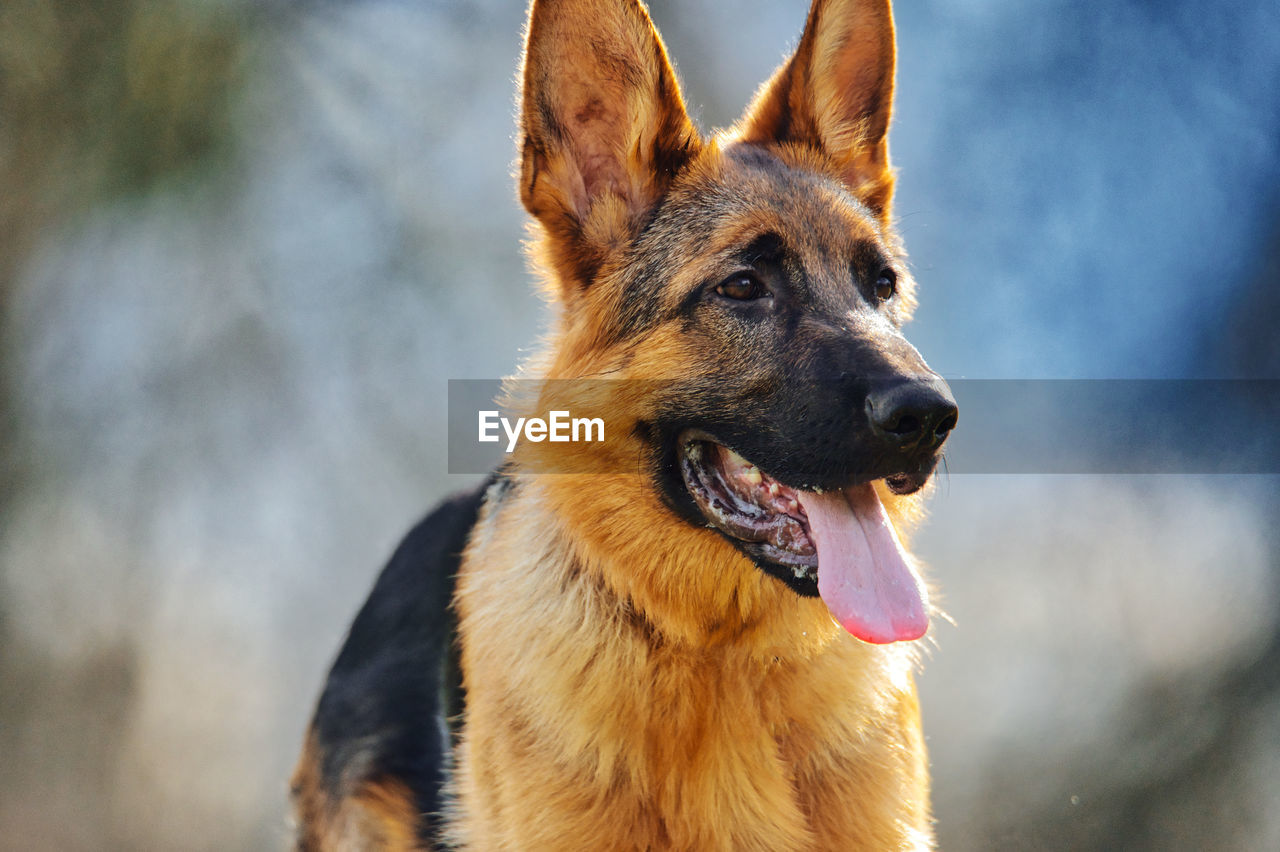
point(746, 191)
point(715, 213)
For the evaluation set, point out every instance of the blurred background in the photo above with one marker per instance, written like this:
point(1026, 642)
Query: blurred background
point(244, 245)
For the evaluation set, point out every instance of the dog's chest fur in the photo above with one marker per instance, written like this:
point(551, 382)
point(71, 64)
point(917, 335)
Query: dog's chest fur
point(618, 735)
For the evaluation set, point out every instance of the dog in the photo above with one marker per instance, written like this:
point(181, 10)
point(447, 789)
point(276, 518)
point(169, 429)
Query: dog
point(704, 636)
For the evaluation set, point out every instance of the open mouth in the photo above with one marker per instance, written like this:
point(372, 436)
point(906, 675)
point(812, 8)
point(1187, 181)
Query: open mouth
point(837, 544)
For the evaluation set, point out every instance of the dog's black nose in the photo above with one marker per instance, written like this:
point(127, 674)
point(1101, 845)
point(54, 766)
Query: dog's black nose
point(916, 414)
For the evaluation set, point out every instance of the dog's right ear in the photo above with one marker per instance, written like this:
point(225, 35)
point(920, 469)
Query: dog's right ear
point(603, 128)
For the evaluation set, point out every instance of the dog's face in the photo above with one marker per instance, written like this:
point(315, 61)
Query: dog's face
point(787, 310)
point(755, 284)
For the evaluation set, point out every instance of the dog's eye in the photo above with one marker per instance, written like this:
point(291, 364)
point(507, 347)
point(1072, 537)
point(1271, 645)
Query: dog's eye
point(743, 288)
point(886, 285)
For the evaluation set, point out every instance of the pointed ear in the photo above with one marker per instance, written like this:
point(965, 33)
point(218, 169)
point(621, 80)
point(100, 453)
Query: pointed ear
point(836, 95)
point(603, 127)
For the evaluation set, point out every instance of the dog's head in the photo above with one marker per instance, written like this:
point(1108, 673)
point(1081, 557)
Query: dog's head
point(753, 285)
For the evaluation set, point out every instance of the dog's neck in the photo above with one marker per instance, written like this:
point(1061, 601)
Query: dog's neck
point(681, 586)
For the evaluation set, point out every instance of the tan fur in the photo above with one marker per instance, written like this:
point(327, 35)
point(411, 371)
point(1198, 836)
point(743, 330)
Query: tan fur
point(633, 682)
point(835, 94)
point(742, 719)
point(376, 815)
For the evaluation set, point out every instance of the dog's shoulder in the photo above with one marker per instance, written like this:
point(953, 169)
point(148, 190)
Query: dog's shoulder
point(376, 749)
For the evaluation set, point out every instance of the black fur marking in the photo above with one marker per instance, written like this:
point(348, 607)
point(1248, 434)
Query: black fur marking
point(638, 308)
point(766, 248)
point(383, 709)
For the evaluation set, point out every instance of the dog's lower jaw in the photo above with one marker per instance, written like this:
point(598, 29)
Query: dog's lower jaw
point(645, 727)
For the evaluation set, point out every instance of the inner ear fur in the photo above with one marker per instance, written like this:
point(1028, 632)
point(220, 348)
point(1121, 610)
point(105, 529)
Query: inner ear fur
point(603, 127)
point(835, 95)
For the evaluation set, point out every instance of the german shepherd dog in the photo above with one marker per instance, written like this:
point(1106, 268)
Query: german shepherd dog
point(706, 642)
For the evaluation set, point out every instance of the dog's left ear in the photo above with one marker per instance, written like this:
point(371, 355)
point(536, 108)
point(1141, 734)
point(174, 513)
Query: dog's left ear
point(836, 95)
point(603, 127)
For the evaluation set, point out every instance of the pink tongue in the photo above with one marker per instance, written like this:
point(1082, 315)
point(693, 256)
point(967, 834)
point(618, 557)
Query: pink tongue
point(863, 574)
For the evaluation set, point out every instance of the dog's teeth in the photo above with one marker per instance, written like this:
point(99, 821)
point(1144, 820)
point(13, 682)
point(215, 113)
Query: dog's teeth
point(774, 489)
point(753, 475)
point(817, 491)
point(695, 451)
point(737, 460)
